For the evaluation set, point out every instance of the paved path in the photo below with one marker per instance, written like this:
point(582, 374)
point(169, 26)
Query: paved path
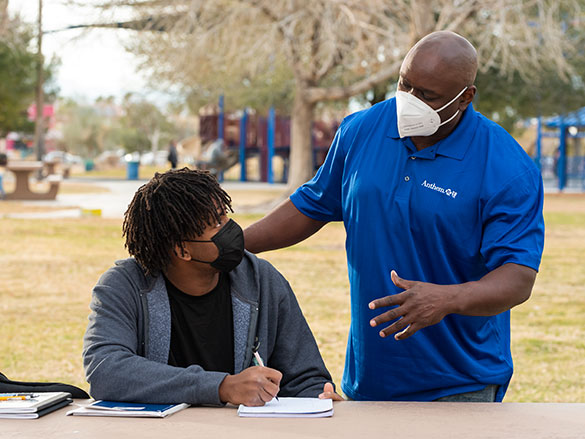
point(114, 203)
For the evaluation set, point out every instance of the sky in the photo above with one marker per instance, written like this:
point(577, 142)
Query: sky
point(93, 62)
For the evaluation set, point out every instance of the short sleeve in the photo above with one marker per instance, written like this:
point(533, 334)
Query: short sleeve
point(513, 225)
point(320, 198)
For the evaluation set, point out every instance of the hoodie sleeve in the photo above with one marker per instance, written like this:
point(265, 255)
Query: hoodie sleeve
point(294, 351)
point(112, 365)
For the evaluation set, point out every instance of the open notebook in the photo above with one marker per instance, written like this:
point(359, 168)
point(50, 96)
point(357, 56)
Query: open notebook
point(290, 408)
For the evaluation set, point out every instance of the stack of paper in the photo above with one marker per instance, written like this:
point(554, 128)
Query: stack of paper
point(290, 408)
point(31, 405)
point(127, 409)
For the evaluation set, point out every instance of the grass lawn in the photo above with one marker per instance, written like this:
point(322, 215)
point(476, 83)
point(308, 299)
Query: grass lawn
point(48, 269)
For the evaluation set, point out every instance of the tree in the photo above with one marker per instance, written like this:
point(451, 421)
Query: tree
point(87, 131)
point(17, 77)
point(337, 49)
point(135, 125)
point(4, 18)
point(509, 99)
point(142, 125)
point(18, 74)
point(511, 96)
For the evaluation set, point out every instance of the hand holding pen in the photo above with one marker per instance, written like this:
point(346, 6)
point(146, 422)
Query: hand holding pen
point(261, 363)
point(254, 386)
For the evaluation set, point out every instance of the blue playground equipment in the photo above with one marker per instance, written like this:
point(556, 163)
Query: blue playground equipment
point(252, 135)
point(567, 163)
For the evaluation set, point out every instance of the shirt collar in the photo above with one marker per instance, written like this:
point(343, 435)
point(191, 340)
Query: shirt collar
point(457, 143)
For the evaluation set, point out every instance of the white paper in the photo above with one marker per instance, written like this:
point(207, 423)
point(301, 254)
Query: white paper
point(39, 401)
point(290, 407)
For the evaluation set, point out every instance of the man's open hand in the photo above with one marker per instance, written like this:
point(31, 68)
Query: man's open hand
point(420, 305)
point(254, 386)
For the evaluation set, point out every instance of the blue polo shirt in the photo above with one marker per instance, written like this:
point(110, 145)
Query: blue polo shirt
point(448, 214)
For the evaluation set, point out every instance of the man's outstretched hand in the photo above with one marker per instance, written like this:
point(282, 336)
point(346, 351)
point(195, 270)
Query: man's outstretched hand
point(421, 304)
point(254, 386)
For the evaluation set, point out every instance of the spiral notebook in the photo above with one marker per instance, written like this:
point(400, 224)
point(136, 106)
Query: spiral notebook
point(290, 408)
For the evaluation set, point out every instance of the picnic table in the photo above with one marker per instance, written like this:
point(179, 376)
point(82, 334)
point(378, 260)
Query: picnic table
point(52, 166)
point(22, 172)
point(352, 419)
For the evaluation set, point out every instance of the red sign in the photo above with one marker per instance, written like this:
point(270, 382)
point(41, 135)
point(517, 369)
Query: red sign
point(48, 111)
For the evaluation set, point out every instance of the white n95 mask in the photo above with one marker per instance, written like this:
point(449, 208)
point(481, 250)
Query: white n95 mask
point(416, 118)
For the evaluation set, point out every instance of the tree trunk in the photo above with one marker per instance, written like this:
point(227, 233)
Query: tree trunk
point(379, 92)
point(301, 155)
point(422, 20)
point(39, 139)
point(154, 138)
point(3, 17)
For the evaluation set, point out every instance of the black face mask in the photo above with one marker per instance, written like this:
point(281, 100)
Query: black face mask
point(230, 245)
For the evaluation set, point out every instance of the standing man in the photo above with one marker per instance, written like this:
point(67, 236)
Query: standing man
point(443, 214)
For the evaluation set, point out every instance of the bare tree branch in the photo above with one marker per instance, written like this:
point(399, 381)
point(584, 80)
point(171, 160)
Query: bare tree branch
point(216, 45)
point(318, 94)
point(453, 18)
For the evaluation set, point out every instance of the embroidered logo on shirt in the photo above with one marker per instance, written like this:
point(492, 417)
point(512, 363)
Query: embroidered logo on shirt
point(449, 192)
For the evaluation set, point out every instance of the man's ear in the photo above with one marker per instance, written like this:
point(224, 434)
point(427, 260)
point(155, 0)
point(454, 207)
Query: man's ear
point(181, 252)
point(467, 97)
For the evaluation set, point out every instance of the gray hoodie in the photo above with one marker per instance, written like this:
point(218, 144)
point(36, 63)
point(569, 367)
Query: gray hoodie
point(126, 345)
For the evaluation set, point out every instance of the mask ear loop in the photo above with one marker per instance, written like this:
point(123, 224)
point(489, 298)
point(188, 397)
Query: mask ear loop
point(449, 103)
point(452, 100)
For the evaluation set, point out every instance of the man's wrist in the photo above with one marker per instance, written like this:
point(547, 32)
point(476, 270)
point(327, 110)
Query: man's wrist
point(224, 390)
point(457, 298)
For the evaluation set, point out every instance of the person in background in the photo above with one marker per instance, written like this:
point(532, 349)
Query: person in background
point(3, 163)
point(173, 156)
point(192, 317)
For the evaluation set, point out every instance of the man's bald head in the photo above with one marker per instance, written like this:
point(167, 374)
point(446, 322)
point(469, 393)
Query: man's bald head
point(444, 53)
point(440, 70)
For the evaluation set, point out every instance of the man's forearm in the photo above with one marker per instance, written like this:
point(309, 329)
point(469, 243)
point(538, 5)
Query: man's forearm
point(423, 304)
point(282, 227)
point(121, 376)
point(498, 291)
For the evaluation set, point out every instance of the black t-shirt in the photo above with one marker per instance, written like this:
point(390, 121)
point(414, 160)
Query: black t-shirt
point(202, 328)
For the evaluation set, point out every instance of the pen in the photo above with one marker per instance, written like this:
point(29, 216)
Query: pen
point(260, 363)
point(16, 396)
point(258, 359)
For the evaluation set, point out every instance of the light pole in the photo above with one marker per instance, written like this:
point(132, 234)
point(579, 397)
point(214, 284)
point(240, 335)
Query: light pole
point(39, 139)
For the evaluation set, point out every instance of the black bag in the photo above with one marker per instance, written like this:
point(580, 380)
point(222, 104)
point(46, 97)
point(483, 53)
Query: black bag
point(9, 386)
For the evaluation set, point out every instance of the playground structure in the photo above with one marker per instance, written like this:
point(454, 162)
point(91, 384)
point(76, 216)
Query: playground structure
point(565, 165)
point(252, 135)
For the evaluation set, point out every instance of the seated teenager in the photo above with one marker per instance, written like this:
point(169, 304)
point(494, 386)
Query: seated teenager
point(181, 320)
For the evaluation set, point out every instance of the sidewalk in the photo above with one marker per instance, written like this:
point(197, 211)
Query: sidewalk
point(114, 203)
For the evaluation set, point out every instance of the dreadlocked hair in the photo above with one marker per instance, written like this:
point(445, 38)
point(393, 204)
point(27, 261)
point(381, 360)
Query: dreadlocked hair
point(172, 207)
